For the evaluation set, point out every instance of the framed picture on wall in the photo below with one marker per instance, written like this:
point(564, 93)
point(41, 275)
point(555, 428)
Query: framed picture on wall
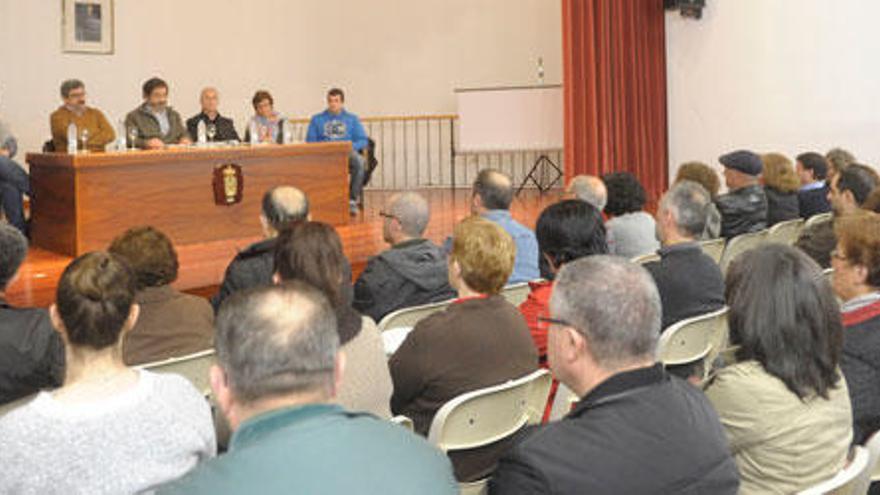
point(87, 26)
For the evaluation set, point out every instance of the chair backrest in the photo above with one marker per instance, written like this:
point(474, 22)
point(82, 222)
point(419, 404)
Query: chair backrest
point(817, 219)
point(739, 245)
point(9, 406)
point(562, 403)
point(873, 446)
point(694, 339)
point(714, 248)
point(480, 487)
point(516, 293)
point(851, 480)
point(785, 232)
point(194, 367)
point(645, 258)
point(487, 415)
point(403, 421)
point(408, 317)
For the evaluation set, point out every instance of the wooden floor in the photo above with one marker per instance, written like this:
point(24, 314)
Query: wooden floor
point(202, 265)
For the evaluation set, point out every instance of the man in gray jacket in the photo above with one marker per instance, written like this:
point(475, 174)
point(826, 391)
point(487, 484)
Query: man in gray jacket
point(157, 123)
point(412, 272)
point(14, 181)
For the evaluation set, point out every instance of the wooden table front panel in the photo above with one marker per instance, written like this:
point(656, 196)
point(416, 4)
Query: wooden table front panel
point(83, 201)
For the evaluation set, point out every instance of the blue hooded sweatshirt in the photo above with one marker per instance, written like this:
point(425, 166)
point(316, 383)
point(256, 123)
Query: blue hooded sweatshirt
point(345, 126)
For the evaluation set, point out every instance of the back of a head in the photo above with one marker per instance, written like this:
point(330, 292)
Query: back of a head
point(689, 204)
point(485, 253)
point(412, 211)
point(591, 189)
point(784, 315)
point(858, 179)
point(13, 251)
point(839, 158)
point(779, 173)
point(495, 189)
point(276, 341)
point(284, 206)
point(569, 230)
point(625, 193)
point(94, 299)
point(311, 252)
point(814, 162)
point(872, 203)
point(615, 305)
point(150, 255)
point(700, 173)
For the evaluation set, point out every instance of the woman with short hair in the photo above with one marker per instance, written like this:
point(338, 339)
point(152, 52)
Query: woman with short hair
point(856, 280)
point(110, 428)
point(631, 230)
point(268, 123)
point(781, 185)
point(784, 403)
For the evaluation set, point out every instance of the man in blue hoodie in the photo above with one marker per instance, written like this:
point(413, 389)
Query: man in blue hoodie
point(336, 124)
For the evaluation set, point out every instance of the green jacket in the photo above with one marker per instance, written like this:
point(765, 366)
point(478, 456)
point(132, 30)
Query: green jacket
point(148, 127)
point(322, 449)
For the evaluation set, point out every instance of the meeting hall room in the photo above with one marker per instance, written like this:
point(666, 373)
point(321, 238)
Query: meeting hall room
point(646, 231)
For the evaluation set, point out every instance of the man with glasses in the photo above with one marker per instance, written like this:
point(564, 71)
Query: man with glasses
point(91, 125)
point(412, 272)
point(636, 429)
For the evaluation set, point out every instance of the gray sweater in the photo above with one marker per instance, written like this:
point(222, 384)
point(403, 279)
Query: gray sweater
point(133, 441)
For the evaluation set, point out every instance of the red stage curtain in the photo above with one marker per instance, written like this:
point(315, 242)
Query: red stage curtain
point(614, 63)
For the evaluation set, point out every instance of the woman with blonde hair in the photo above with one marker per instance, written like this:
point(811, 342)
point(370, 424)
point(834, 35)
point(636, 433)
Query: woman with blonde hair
point(781, 185)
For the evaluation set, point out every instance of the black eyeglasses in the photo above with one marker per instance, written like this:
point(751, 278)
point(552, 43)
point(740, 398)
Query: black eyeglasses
point(387, 215)
point(555, 321)
point(836, 254)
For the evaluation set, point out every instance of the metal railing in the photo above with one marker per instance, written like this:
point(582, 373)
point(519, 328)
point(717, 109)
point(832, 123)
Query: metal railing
point(418, 151)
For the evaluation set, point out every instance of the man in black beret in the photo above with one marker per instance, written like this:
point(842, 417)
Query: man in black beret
point(744, 208)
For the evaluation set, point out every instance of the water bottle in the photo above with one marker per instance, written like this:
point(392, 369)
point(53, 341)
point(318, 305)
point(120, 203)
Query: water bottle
point(121, 132)
point(287, 130)
point(255, 134)
point(72, 138)
point(202, 133)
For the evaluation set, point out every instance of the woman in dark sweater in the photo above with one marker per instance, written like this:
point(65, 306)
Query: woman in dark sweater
point(781, 185)
point(856, 280)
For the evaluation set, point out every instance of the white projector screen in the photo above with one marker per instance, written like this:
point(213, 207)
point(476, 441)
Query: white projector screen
point(527, 118)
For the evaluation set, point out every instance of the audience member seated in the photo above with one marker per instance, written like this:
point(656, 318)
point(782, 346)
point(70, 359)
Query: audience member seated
point(224, 128)
point(812, 169)
point(278, 367)
point(703, 175)
point(744, 208)
point(689, 281)
point(856, 279)
point(631, 231)
point(31, 352)
point(412, 272)
point(91, 125)
point(588, 188)
point(109, 429)
point(14, 181)
point(337, 124)
point(491, 198)
point(283, 206)
point(171, 323)
point(268, 123)
point(784, 403)
point(636, 429)
point(479, 341)
point(838, 159)
point(781, 188)
point(566, 231)
point(848, 192)
point(157, 124)
point(312, 252)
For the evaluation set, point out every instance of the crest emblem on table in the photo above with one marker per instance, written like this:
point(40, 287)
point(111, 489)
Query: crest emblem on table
point(228, 184)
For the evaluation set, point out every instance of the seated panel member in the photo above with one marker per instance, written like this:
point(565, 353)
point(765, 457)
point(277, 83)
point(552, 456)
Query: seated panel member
point(337, 124)
point(269, 122)
point(225, 128)
point(74, 109)
point(157, 123)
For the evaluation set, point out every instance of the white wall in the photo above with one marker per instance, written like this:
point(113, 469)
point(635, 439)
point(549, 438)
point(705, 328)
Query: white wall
point(391, 56)
point(774, 75)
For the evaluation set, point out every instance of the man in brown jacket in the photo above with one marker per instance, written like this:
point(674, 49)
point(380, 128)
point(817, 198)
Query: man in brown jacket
point(156, 123)
point(91, 125)
point(480, 340)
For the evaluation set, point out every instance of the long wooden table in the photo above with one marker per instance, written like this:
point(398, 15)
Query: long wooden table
point(83, 201)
